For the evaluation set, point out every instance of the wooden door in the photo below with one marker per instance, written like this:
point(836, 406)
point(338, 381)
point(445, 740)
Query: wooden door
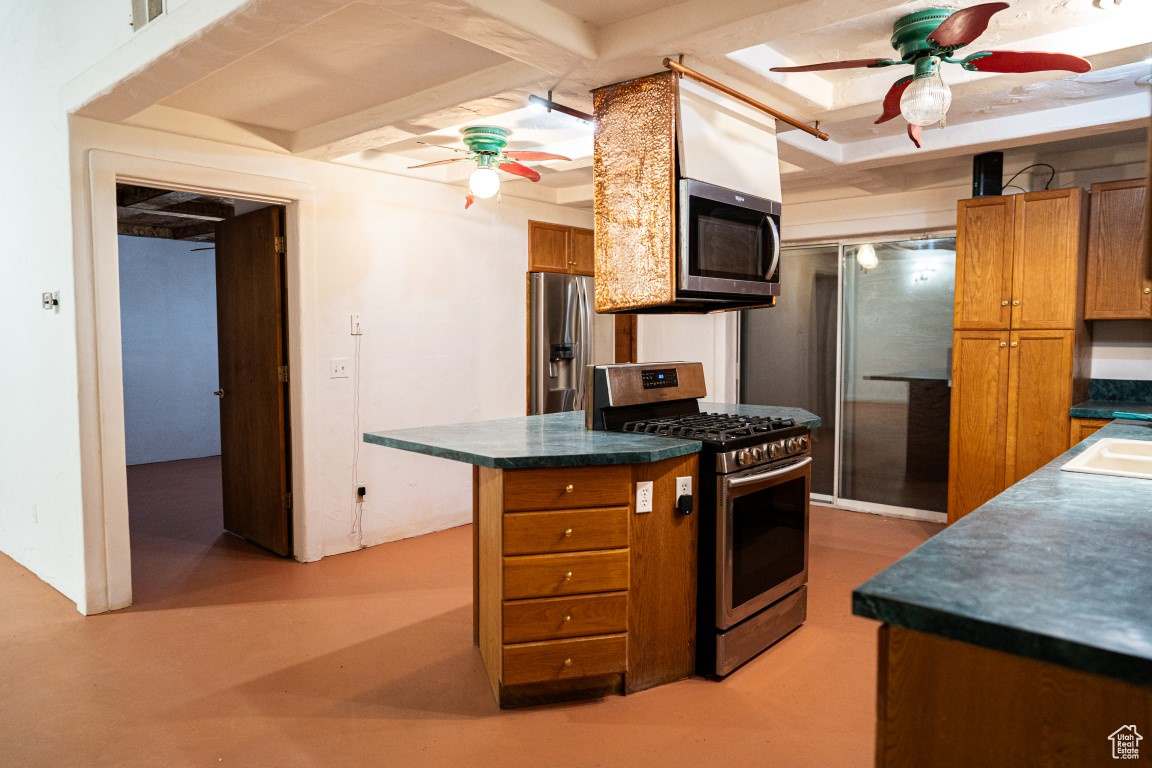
point(1118, 285)
point(984, 263)
point(978, 427)
point(581, 245)
point(1039, 396)
point(1046, 267)
point(253, 360)
point(547, 247)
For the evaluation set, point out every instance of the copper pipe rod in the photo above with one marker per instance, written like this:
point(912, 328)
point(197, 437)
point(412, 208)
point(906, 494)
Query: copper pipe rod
point(683, 70)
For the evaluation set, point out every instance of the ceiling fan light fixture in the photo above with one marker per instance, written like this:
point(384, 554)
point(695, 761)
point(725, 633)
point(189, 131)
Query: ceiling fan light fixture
point(484, 183)
point(926, 99)
point(866, 256)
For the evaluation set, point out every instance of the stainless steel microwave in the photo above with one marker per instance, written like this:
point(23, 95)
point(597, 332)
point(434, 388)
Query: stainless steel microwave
point(729, 243)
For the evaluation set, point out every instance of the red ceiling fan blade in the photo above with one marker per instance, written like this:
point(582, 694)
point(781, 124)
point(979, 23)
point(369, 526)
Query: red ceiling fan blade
point(965, 25)
point(468, 200)
point(520, 170)
point(439, 162)
point(528, 155)
point(892, 100)
point(850, 64)
point(914, 134)
point(1024, 61)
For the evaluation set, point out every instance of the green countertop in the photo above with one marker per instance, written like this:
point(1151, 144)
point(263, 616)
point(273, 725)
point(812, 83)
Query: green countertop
point(1058, 568)
point(555, 440)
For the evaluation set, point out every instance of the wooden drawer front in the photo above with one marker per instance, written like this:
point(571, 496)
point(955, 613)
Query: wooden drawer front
point(572, 574)
point(530, 533)
point(564, 659)
point(556, 617)
point(566, 487)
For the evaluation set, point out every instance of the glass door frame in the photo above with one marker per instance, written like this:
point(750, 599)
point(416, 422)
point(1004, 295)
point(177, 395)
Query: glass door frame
point(835, 499)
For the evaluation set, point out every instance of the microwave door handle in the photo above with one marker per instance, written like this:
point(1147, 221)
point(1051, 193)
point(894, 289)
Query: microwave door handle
point(768, 475)
point(775, 247)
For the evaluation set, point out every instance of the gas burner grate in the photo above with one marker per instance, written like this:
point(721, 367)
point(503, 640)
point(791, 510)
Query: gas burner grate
point(712, 427)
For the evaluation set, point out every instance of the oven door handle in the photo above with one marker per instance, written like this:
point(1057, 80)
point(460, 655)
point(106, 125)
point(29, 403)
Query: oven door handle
point(736, 482)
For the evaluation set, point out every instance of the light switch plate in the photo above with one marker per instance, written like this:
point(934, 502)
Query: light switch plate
point(357, 325)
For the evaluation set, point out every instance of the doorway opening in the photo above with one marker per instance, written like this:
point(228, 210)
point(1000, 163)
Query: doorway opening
point(204, 349)
point(865, 343)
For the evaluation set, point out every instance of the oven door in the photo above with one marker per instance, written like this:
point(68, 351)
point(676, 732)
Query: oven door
point(761, 538)
point(729, 242)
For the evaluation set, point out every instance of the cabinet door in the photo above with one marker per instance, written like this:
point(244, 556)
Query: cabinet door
point(1039, 397)
point(1082, 429)
point(1118, 284)
point(984, 263)
point(978, 428)
point(547, 247)
point(1046, 259)
point(581, 251)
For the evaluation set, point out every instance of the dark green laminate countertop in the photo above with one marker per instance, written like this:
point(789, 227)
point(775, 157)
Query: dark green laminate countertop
point(555, 440)
point(1058, 568)
point(1103, 409)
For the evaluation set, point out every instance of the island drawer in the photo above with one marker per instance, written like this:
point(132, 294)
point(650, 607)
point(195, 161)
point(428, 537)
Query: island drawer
point(530, 533)
point(564, 659)
point(551, 618)
point(566, 574)
point(566, 487)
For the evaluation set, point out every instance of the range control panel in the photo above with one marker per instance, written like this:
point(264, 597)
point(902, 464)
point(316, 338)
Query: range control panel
point(658, 378)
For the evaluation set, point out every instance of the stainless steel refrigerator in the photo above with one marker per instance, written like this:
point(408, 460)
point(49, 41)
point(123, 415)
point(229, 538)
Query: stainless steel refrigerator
point(564, 331)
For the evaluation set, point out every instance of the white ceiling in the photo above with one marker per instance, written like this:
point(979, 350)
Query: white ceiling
point(363, 82)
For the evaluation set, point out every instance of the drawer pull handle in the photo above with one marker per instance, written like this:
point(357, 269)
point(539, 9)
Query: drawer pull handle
point(567, 618)
point(569, 488)
point(567, 662)
point(568, 576)
point(567, 533)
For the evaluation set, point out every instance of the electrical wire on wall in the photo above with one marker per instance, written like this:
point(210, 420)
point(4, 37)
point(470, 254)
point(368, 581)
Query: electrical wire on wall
point(357, 499)
point(1051, 175)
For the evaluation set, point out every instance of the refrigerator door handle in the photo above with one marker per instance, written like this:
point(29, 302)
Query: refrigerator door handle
point(583, 326)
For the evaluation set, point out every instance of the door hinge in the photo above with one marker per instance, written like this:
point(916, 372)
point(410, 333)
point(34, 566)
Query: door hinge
point(288, 500)
point(282, 373)
point(281, 245)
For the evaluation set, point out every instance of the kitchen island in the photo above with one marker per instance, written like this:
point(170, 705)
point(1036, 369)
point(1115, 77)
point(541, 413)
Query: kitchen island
point(1022, 634)
point(577, 592)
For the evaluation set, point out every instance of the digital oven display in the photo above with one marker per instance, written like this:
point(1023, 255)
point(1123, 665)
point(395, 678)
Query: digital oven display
point(658, 378)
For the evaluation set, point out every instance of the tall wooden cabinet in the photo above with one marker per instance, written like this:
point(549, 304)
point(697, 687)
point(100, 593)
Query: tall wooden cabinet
point(1017, 352)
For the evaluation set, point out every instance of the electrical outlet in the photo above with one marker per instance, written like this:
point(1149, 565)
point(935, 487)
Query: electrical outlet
point(357, 326)
point(683, 486)
point(644, 496)
point(339, 367)
point(361, 492)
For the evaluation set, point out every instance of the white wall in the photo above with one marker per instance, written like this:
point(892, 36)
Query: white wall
point(168, 332)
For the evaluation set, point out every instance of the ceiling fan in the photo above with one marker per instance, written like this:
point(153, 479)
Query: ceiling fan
point(929, 37)
point(486, 148)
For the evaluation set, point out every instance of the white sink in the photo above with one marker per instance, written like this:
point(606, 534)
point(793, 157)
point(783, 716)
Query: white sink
point(1111, 456)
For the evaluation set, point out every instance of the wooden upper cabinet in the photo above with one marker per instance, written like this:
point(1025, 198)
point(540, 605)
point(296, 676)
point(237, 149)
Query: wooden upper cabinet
point(984, 263)
point(1118, 284)
point(1018, 260)
point(559, 248)
point(1046, 259)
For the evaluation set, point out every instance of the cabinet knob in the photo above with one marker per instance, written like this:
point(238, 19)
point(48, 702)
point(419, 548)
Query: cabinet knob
point(569, 488)
point(567, 533)
point(567, 662)
point(1004, 303)
point(1015, 343)
point(568, 576)
point(567, 618)
point(1148, 290)
point(1016, 302)
point(1003, 344)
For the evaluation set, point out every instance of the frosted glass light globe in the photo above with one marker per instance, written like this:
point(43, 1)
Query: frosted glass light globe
point(866, 256)
point(484, 182)
point(926, 100)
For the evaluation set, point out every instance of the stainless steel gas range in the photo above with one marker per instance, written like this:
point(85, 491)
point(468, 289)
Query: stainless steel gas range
point(754, 484)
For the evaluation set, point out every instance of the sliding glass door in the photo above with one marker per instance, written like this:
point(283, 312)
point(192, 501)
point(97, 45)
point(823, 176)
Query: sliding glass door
point(862, 336)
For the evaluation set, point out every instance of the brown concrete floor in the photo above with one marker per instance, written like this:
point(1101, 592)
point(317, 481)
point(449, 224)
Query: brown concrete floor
point(230, 656)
